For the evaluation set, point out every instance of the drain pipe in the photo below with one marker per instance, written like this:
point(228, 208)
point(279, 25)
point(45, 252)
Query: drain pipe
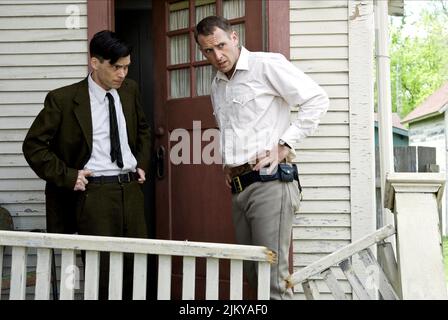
point(386, 154)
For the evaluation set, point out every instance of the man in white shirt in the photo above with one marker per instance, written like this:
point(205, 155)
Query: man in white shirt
point(91, 144)
point(252, 95)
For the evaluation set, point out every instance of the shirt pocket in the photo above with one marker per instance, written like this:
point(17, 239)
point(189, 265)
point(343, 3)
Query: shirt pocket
point(245, 108)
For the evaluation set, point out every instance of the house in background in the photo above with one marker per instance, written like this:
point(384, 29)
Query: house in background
point(427, 127)
point(400, 133)
point(43, 45)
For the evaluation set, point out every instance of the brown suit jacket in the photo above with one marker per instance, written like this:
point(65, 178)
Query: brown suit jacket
point(59, 143)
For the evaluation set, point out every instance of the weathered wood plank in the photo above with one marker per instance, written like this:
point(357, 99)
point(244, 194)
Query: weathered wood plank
point(36, 22)
point(43, 274)
point(12, 36)
point(354, 280)
point(18, 273)
point(12, 134)
point(310, 289)
point(310, 53)
point(30, 10)
point(324, 206)
point(41, 72)
point(332, 130)
point(164, 278)
point(343, 253)
point(322, 156)
point(331, 78)
point(188, 278)
point(317, 27)
point(92, 277)
point(140, 276)
point(212, 280)
point(322, 220)
point(318, 14)
point(236, 279)
point(135, 245)
point(22, 185)
point(325, 193)
point(116, 276)
point(325, 180)
point(56, 59)
point(377, 275)
point(76, 46)
point(333, 285)
point(69, 275)
point(324, 143)
point(318, 246)
point(304, 4)
point(16, 122)
point(37, 84)
point(319, 40)
point(322, 65)
point(264, 279)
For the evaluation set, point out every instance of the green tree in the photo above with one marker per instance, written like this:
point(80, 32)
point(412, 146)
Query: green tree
point(419, 62)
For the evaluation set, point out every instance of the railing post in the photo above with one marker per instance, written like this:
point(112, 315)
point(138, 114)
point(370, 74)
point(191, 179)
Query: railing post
point(414, 198)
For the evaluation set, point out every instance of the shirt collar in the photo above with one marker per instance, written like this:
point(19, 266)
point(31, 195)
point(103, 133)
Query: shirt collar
point(241, 64)
point(98, 92)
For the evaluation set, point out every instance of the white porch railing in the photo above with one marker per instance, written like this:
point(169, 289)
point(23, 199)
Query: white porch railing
point(165, 249)
point(342, 257)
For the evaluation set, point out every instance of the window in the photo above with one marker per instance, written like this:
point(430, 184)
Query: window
point(190, 75)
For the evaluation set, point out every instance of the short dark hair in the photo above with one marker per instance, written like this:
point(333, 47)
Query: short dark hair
point(105, 45)
point(208, 25)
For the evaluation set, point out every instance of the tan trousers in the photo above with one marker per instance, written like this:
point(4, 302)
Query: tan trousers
point(263, 216)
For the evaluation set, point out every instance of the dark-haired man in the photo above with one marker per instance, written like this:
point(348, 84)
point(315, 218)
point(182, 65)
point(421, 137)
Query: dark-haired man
point(91, 144)
point(252, 96)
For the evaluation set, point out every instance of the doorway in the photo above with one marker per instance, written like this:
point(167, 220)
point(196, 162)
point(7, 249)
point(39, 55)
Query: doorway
point(133, 24)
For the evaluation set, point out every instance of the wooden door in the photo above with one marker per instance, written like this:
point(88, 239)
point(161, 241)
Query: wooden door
point(192, 201)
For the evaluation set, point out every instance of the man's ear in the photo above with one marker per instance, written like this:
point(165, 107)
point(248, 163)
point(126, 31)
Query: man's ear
point(94, 62)
point(234, 37)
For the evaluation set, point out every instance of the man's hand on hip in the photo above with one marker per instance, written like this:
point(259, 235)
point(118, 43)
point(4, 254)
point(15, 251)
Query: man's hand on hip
point(141, 175)
point(82, 181)
point(272, 158)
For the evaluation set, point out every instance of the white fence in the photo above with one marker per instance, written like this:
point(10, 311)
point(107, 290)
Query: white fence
point(140, 248)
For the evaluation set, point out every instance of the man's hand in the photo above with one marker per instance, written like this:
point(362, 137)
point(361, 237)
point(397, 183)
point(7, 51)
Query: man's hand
point(141, 174)
point(82, 181)
point(272, 158)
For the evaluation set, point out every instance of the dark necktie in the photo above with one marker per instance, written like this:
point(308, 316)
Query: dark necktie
point(115, 149)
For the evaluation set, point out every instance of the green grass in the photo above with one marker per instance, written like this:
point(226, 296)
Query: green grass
point(445, 255)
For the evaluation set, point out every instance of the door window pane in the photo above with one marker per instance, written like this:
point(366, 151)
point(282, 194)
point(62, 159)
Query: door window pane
point(205, 8)
point(241, 31)
point(180, 83)
point(179, 15)
point(204, 77)
point(233, 9)
point(180, 49)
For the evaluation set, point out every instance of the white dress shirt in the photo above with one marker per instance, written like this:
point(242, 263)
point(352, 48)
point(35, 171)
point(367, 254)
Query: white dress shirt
point(253, 107)
point(100, 162)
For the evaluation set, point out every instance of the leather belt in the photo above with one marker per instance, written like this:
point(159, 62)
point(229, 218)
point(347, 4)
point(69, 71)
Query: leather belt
point(121, 178)
point(241, 182)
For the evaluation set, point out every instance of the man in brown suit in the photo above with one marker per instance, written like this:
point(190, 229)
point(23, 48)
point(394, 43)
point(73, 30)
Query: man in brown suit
point(91, 144)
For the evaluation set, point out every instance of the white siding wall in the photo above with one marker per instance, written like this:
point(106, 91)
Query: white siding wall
point(319, 47)
point(38, 53)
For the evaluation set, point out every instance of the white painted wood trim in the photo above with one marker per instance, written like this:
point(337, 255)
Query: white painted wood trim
point(92, 275)
point(354, 280)
point(68, 274)
point(212, 279)
point(311, 290)
point(332, 283)
point(43, 274)
point(188, 278)
point(140, 276)
point(1, 270)
point(341, 254)
point(164, 278)
point(264, 281)
point(378, 279)
point(18, 274)
point(116, 276)
point(236, 280)
point(136, 245)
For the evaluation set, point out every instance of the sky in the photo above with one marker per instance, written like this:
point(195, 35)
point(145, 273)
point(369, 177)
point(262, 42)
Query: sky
point(412, 10)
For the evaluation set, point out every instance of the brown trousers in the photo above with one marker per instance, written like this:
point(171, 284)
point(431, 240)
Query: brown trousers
point(116, 210)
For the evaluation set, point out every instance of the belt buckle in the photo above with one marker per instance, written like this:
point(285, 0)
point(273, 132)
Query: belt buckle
point(237, 184)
